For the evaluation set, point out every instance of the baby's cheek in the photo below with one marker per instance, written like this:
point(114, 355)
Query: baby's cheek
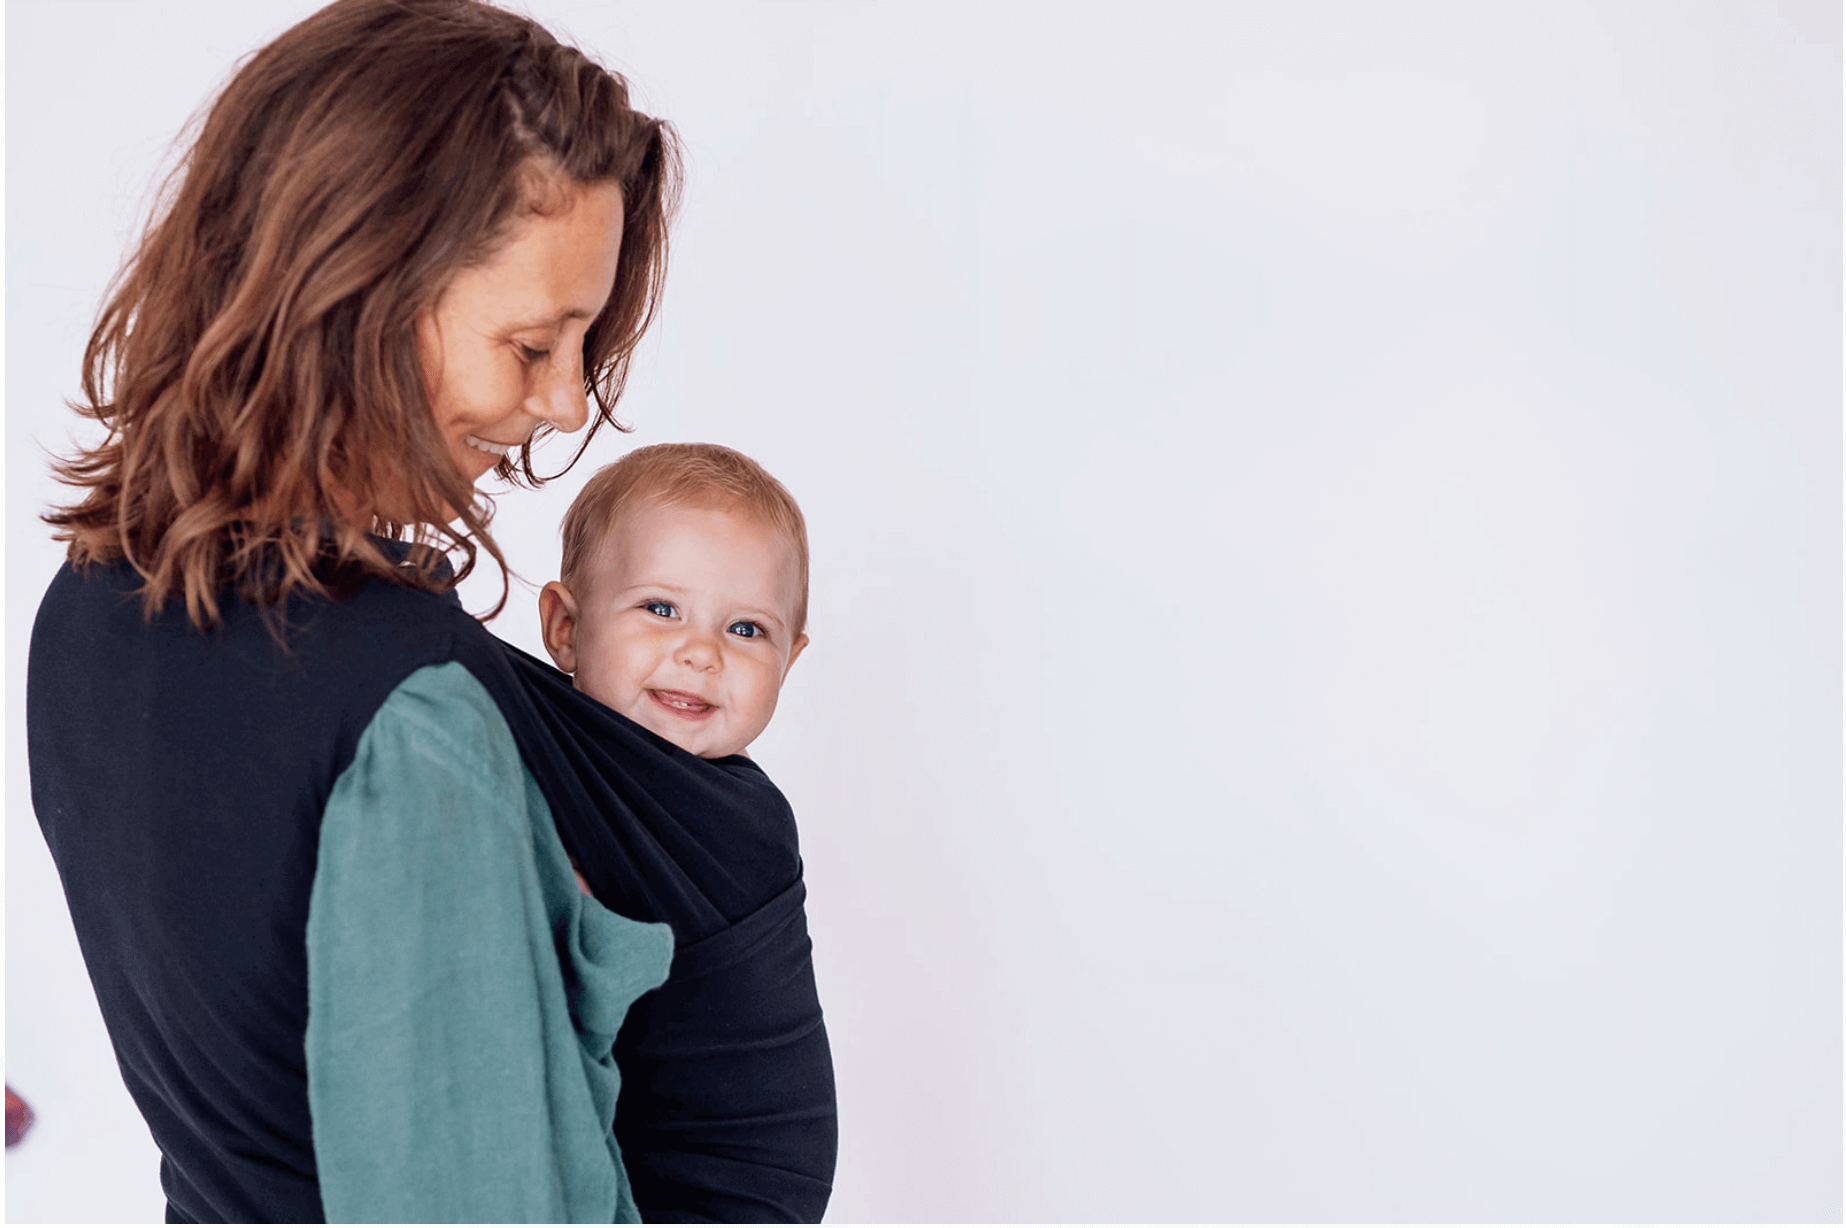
point(763, 699)
point(598, 661)
point(593, 679)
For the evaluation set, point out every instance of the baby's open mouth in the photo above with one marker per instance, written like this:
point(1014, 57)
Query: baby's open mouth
point(679, 703)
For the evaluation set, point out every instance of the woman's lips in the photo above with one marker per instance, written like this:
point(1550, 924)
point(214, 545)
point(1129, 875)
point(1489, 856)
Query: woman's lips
point(680, 704)
point(496, 450)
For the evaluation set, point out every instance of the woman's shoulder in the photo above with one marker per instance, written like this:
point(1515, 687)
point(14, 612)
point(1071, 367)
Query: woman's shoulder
point(99, 604)
point(312, 669)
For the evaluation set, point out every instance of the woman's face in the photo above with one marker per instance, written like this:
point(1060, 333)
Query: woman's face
point(502, 350)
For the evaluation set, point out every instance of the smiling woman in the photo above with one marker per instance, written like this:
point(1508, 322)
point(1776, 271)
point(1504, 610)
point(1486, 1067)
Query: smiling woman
point(319, 885)
point(502, 351)
point(387, 191)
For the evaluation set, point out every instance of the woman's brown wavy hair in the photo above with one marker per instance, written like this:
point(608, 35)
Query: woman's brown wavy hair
point(256, 362)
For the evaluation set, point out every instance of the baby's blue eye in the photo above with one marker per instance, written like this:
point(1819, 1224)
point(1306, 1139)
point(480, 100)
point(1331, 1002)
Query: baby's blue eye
point(745, 630)
point(660, 608)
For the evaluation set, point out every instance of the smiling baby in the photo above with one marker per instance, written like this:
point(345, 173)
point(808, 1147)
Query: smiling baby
point(684, 594)
point(682, 604)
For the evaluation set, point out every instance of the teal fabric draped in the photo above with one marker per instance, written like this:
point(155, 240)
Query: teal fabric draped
point(437, 835)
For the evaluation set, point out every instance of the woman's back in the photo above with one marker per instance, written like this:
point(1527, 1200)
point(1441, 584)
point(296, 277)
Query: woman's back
point(180, 779)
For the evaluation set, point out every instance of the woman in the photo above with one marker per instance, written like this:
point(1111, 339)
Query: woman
point(307, 812)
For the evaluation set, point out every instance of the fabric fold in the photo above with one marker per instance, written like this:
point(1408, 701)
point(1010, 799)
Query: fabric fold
point(727, 1077)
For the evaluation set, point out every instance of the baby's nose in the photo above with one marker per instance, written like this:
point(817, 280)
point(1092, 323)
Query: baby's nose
point(698, 650)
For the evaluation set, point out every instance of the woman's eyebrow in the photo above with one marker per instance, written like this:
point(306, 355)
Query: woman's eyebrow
point(551, 321)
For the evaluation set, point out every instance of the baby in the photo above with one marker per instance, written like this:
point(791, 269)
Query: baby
point(682, 605)
point(684, 595)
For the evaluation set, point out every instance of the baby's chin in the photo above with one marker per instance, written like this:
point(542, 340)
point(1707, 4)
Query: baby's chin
point(690, 743)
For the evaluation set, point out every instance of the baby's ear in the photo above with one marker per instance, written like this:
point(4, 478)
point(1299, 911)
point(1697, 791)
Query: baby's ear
point(557, 621)
point(801, 641)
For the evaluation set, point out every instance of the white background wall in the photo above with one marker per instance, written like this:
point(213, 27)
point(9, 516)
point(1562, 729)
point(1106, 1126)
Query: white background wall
point(1325, 694)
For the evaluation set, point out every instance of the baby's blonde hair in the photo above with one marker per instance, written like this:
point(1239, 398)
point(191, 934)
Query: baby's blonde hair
point(702, 475)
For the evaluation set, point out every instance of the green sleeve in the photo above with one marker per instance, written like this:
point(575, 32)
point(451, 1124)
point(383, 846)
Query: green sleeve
point(452, 1076)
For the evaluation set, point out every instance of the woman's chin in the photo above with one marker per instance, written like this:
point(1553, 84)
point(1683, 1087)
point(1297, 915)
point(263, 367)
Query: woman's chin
point(472, 462)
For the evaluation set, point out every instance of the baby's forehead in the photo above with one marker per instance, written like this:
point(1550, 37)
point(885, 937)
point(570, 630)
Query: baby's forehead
point(637, 532)
point(645, 519)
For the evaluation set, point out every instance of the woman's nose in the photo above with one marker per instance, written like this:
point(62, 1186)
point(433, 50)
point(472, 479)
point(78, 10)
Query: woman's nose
point(559, 397)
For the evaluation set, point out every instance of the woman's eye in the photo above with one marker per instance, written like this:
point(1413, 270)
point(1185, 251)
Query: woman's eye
point(531, 355)
point(660, 608)
point(745, 630)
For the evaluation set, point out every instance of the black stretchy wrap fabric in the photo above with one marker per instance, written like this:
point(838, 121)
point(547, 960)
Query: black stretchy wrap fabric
point(727, 1109)
point(179, 779)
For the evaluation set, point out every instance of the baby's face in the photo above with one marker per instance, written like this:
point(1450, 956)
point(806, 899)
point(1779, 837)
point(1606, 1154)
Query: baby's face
point(682, 624)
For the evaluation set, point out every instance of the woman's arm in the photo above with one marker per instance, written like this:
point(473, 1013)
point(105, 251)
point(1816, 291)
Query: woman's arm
point(447, 1077)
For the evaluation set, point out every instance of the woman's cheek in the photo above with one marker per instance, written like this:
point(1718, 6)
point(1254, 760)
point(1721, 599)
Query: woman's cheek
point(481, 394)
point(492, 401)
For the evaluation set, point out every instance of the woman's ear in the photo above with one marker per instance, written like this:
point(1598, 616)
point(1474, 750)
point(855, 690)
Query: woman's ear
point(557, 622)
